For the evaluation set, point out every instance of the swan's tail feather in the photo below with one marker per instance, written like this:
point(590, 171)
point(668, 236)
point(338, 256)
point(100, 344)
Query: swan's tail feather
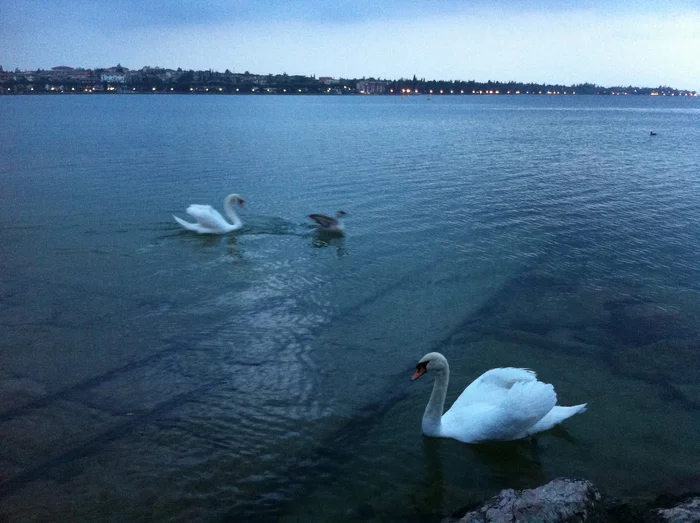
point(186, 225)
point(556, 416)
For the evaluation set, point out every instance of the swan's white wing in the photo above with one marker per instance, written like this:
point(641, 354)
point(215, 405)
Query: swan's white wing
point(324, 221)
point(493, 386)
point(526, 404)
point(523, 405)
point(196, 207)
point(207, 216)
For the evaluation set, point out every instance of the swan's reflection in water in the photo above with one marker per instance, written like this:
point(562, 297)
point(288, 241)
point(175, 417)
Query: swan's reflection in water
point(210, 240)
point(513, 464)
point(234, 250)
point(485, 468)
point(321, 241)
point(229, 242)
point(430, 499)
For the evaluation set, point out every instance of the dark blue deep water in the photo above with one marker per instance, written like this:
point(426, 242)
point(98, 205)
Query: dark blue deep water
point(151, 374)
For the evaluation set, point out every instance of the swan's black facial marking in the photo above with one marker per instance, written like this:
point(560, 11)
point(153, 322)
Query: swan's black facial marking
point(241, 202)
point(421, 369)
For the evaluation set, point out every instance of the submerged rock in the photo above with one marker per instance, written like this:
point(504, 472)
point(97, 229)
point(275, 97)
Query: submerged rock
point(646, 323)
point(561, 500)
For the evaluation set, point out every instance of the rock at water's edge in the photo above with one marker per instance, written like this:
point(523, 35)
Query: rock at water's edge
point(686, 512)
point(561, 500)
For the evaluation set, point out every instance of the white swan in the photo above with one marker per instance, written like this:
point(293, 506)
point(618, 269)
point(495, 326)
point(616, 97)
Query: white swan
point(210, 221)
point(500, 405)
point(328, 224)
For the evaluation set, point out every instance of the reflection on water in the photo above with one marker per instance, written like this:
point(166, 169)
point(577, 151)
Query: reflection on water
point(146, 376)
point(513, 463)
point(519, 461)
point(433, 498)
point(211, 240)
point(321, 241)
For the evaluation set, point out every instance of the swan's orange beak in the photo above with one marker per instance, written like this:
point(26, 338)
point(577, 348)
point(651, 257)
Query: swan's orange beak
point(419, 372)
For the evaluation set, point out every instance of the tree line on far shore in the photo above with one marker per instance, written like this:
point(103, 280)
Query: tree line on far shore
point(147, 79)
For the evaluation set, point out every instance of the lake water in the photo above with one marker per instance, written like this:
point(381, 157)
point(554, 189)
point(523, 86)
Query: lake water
point(152, 374)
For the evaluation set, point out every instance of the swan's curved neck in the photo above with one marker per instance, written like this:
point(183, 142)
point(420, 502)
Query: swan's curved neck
point(433, 412)
point(230, 211)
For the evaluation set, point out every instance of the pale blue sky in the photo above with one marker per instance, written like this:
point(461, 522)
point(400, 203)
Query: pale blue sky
point(609, 43)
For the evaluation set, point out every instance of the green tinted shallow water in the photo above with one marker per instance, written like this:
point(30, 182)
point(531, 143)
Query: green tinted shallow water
point(153, 374)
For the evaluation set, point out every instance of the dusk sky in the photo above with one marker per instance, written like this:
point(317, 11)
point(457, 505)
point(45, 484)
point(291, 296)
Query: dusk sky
point(615, 42)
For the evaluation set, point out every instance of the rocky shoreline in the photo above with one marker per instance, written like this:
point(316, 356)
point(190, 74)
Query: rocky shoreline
point(567, 500)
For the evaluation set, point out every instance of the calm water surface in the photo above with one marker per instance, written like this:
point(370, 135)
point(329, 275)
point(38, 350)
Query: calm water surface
point(152, 374)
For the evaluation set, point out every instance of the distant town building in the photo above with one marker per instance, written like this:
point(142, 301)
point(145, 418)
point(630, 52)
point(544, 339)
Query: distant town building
point(113, 78)
point(367, 87)
point(82, 75)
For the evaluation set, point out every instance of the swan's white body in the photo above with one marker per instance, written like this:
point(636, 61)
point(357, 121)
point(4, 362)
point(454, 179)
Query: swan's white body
point(210, 221)
point(500, 405)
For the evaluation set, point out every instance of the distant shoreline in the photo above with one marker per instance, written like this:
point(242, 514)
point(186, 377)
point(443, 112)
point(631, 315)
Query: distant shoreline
point(248, 93)
point(152, 80)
